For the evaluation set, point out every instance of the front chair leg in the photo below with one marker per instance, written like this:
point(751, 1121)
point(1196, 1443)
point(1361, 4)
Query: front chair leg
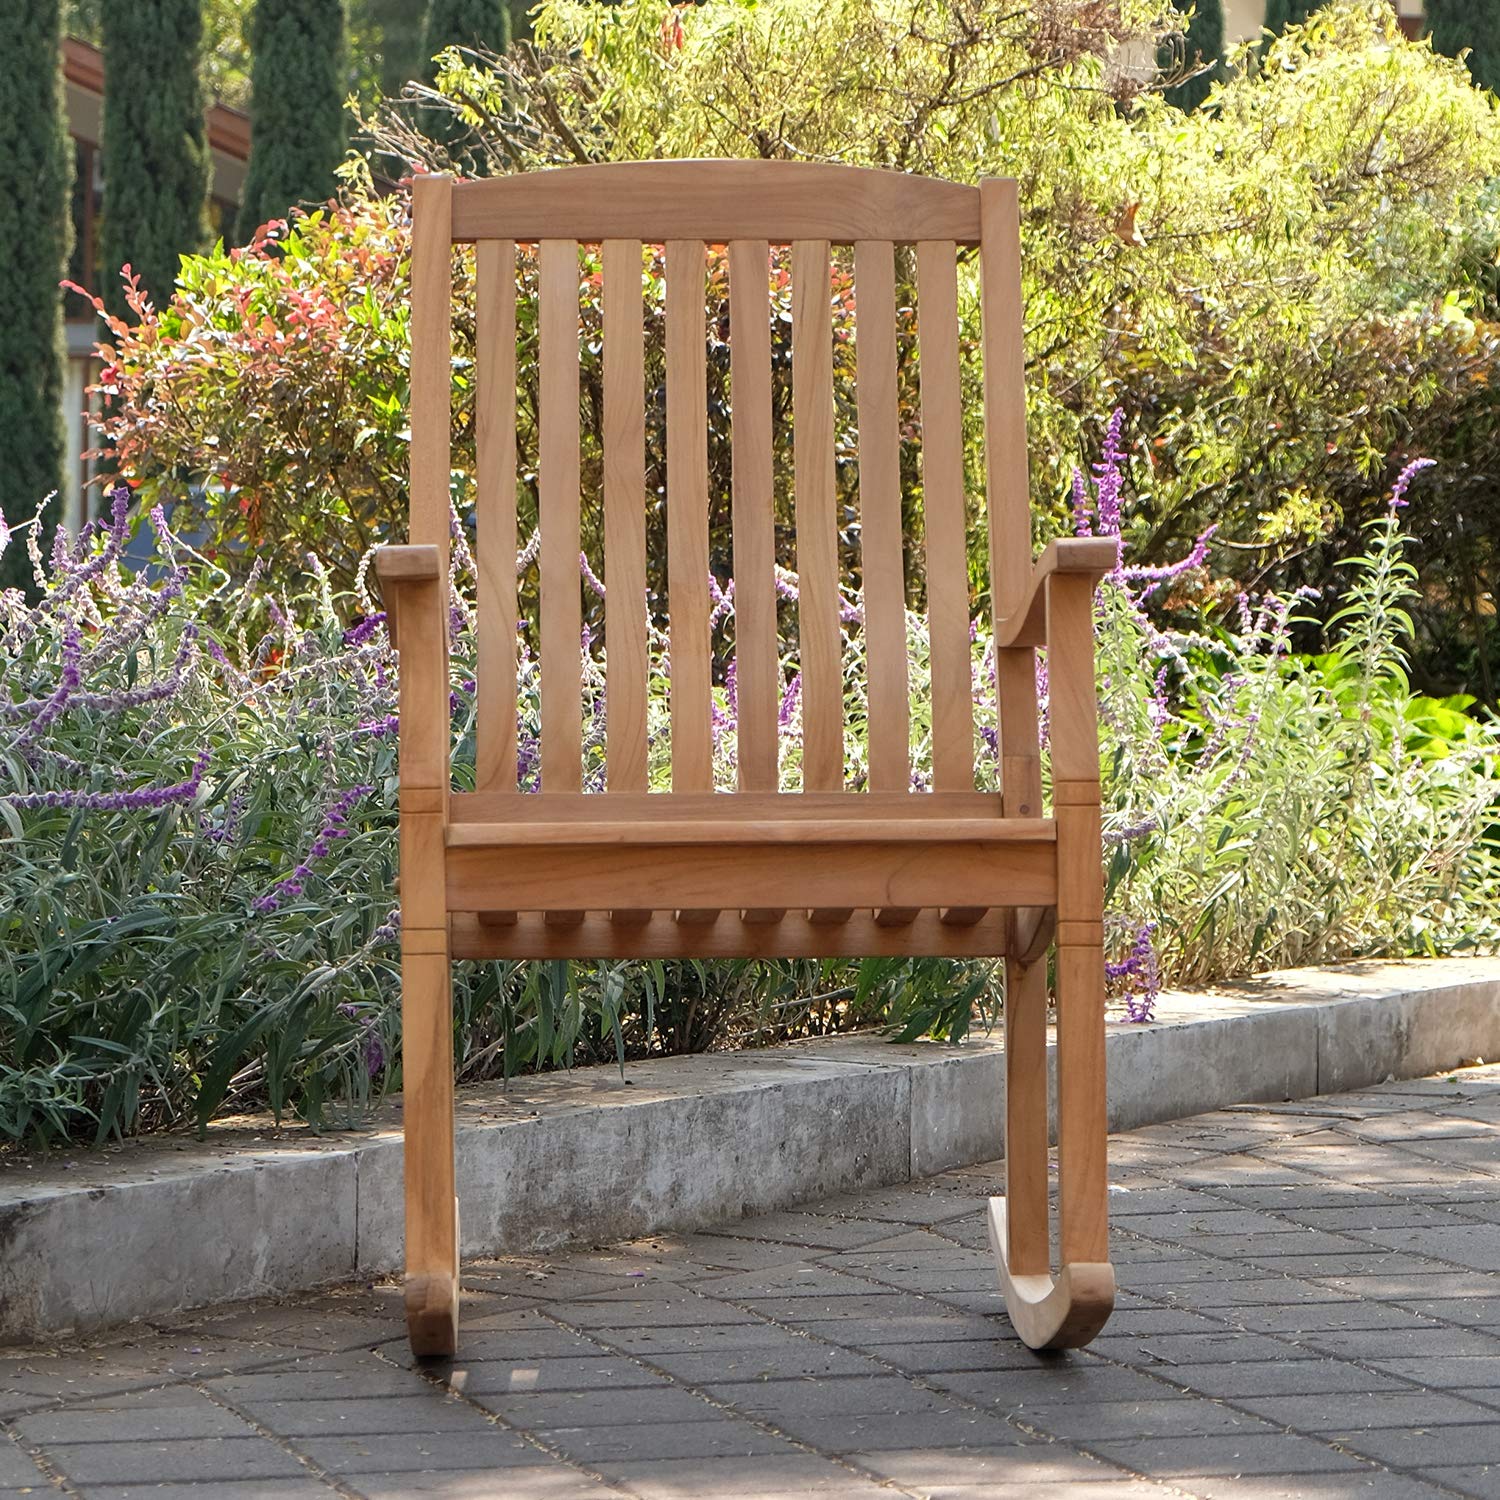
point(431, 1201)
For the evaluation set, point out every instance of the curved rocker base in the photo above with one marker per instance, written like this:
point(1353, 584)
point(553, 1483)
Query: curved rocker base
point(1061, 1312)
point(432, 1307)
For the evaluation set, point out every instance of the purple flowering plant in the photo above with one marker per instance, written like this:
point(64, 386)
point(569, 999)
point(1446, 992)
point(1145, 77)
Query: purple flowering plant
point(197, 819)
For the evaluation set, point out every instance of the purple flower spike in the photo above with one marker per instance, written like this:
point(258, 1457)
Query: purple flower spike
point(1403, 482)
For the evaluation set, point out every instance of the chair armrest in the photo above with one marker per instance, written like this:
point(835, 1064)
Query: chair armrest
point(1077, 556)
point(397, 568)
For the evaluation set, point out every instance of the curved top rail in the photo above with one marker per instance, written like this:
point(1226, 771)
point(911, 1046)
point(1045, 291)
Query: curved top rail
point(715, 201)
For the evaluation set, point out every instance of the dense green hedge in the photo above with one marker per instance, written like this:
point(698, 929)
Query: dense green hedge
point(155, 160)
point(297, 107)
point(36, 178)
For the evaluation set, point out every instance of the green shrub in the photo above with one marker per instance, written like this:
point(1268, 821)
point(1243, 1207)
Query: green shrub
point(1279, 291)
point(36, 178)
point(154, 156)
point(297, 47)
point(197, 832)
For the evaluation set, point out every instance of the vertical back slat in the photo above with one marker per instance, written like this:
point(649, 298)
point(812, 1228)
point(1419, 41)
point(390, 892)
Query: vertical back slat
point(495, 541)
point(431, 355)
point(881, 554)
point(624, 517)
point(943, 510)
point(756, 667)
point(1007, 487)
point(558, 487)
point(1006, 481)
point(817, 530)
point(691, 685)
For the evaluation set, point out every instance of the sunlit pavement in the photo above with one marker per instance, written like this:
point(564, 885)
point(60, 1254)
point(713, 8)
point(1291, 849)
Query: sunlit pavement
point(1310, 1306)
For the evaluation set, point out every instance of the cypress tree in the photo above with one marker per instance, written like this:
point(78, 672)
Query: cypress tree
point(1283, 13)
point(465, 23)
point(296, 107)
point(36, 176)
point(154, 154)
point(1454, 25)
point(400, 26)
point(1203, 43)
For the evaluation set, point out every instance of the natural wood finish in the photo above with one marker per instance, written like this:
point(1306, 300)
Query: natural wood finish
point(832, 875)
point(947, 559)
point(669, 834)
point(423, 745)
point(1006, 484)
point(1026, 1117)
point(495, 540)
point(881, 554)
point(1052, 1312)
point(717, 201)
point(757, 672)
point(687, 520)
point(1085, 557)
point(557, 487)
point(409, 564)
point(819, 641)
point(726, 807)
point(824, 872)
point(431, 355)
point(624, 517)
point(731, 935)
point(428, 1167)
point(963, 916)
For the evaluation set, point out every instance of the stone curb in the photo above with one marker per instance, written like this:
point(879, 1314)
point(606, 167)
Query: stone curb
point(89, 1239)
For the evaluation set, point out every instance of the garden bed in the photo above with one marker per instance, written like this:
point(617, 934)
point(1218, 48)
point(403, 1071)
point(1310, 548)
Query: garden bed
point(89, 1239)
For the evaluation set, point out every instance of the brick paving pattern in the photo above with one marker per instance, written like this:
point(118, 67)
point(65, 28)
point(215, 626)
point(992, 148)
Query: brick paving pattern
point(1310, 1306)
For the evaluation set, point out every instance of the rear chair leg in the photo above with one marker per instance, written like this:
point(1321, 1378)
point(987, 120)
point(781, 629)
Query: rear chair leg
point(431, 1202)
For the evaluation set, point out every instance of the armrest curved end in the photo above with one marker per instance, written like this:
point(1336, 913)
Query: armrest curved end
point(1074, 556)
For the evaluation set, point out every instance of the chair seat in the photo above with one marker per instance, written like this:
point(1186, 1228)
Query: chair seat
point(750, 864)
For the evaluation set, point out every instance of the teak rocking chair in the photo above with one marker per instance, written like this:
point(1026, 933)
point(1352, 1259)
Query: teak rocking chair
point(825, 871)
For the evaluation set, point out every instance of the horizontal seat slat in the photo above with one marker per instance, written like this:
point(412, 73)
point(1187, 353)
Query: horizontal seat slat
point(789, 869)
point(730, 807)
point(957, 831)
point(729, 936)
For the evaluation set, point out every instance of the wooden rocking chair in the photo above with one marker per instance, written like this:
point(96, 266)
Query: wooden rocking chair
point(755, 873)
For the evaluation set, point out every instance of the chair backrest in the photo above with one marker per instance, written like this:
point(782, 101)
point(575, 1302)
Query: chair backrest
point(750, 207)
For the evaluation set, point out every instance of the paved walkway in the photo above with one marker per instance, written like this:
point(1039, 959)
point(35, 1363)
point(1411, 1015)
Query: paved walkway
point(1310, 1306)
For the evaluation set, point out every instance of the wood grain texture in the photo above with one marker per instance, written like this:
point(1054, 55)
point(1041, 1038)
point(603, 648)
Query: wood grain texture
point(495, 515)
point(431, 355)
point(757, 668)
point(787, 935)
point(725, 808)
point(832, 875)
point(1026, 1117)
point(558, 491)
point(431, 1292)
point(756, 873)
point(1006, 480)
point(943, 510)
point(716, 201)
point(607, 833)
point(691, 681)
point(1083, 1212)
point(624, 517)
point(882, 554)
point(820, 646)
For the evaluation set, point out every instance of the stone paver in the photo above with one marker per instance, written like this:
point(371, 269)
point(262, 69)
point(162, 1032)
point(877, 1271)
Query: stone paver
point(1309, 1307)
